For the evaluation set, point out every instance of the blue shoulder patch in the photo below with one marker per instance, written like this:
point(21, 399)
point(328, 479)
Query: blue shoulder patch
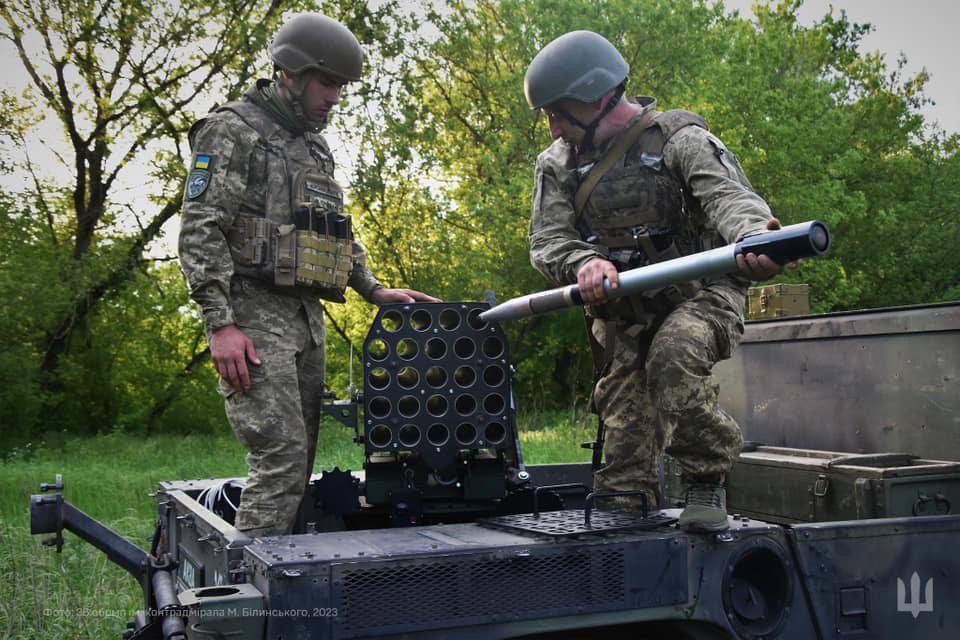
point(197, 183)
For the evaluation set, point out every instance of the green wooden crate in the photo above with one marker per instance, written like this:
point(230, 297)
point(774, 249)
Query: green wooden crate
point(778, 301)
point(786, 485)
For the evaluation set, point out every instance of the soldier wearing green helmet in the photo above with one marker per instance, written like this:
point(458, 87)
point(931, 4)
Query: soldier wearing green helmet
point(624, 185)
point(263, 239)
point(312, 42)
point(581, 66)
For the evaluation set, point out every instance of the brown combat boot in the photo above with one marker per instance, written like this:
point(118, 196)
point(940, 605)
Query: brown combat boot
point(706, 508)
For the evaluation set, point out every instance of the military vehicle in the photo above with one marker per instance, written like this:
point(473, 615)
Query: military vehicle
point(841, 508)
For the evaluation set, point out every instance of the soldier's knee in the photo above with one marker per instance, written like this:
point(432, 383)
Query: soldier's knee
point(734, 437)
point(679, 378)
point(293, 466)
point(670, 388)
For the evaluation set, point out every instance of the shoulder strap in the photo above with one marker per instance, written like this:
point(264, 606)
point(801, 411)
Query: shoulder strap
point(673, 120)
point(610, 158)
point(252, 116)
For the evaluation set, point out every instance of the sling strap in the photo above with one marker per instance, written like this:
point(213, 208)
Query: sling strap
point(610, 158)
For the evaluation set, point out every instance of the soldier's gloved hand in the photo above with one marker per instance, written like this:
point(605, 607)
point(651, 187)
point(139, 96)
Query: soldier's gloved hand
point(386, 296)
point(760, 268)
point(230, 349)
point(590, 280)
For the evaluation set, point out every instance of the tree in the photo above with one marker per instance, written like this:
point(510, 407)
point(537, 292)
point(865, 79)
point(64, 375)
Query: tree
point(116, 76)
point(112, 88)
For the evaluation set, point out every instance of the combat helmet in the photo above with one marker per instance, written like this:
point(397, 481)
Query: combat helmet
point(580, 65)
point(314, 41)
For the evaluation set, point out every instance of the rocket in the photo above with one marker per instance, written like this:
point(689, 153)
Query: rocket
point(789, 244)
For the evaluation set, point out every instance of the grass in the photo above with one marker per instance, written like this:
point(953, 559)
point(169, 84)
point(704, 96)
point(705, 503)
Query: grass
point(78, 593)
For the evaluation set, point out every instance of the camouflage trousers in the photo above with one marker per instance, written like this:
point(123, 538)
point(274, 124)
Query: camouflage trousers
point(658, 393)
point(278, 420)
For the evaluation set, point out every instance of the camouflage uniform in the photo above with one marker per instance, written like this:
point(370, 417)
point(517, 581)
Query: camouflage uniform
point(239, 172)
point(655, 391)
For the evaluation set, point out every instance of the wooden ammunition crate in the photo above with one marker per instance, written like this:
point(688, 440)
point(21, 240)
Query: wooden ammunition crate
point(786, 485)
point(778, 301)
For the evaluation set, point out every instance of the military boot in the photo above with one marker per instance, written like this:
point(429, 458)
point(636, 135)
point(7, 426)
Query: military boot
point(706, 508)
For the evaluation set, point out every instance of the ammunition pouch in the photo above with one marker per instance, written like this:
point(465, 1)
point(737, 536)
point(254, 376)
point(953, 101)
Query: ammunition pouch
point(323, 260)
point(285, 255)
point(315, 252)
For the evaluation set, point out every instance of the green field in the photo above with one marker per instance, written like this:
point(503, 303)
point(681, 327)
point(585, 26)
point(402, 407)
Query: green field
point(80, 594)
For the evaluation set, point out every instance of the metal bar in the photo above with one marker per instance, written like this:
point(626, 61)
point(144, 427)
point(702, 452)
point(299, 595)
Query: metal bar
point(588, 503)
point(555, 487)
point(46, 511)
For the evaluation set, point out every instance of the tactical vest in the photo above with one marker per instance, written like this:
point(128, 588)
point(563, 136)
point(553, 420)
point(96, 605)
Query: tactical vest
point(302, 241)
point(640, 213)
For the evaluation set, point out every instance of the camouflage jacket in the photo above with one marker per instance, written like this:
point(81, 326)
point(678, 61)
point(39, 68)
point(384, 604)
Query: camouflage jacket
point(709, 173)
point(229, 176)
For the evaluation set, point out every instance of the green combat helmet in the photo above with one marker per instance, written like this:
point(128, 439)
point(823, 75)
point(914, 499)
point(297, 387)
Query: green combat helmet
point(580, 65)
point(314, 41)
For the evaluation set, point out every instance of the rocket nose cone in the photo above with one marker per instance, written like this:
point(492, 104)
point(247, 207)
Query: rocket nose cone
point(491, 315)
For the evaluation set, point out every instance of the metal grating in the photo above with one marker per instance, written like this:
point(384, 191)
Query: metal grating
point(571, 522)
point(422, 594)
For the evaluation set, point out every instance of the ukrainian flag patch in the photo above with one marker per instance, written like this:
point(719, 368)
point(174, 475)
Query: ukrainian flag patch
point(202, 162)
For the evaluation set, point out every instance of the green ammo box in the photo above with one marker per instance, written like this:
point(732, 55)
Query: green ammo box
point(786, 485)
point(778, 301)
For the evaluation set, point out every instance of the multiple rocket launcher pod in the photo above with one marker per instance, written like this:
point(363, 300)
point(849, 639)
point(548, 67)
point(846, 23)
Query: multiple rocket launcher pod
point(789, 244)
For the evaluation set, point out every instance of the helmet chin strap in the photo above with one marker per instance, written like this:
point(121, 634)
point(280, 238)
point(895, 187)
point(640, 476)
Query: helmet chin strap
point(589, 130)
point(296, 88)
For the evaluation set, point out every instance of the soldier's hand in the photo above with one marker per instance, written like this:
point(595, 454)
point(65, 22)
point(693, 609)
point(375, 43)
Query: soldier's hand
point(386, 296)
point(590, 280)
point(230, 349)
point(760, 268)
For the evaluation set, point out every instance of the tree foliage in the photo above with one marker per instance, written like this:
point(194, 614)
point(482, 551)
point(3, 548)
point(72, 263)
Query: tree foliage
point(111, 88)
point(437, 145)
